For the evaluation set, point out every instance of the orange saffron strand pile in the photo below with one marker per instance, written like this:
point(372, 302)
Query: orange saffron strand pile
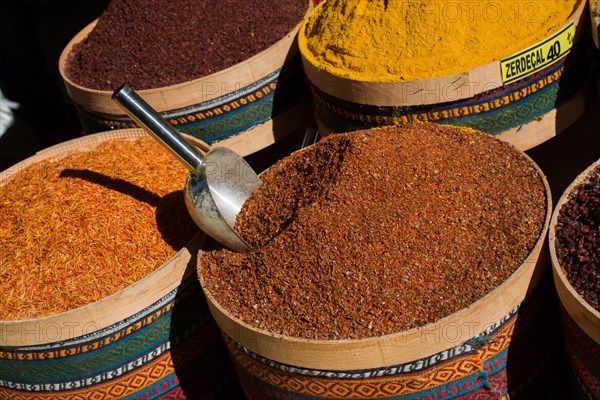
point(76, 230)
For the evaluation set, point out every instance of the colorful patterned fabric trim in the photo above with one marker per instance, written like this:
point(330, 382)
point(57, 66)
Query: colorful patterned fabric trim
point(464, 374)
point(173, 346)
point(494, 112)
point(584, 354)
point(480, 368)
point(238, 110)
point(468, 347)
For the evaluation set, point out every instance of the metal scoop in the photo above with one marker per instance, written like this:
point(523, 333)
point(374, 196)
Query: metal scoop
point(220, 180)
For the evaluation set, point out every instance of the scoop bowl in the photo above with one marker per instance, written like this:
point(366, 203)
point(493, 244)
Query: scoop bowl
point(219, 182)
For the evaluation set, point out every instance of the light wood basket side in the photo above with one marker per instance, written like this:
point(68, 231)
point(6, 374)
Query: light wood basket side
point(595, 18)
point(586, 317)
point(116, 307)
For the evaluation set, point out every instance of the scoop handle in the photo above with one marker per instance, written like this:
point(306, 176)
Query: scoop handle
point(157, 126)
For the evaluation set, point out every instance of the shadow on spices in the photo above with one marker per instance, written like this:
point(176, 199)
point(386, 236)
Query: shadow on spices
point(200, 362)
point(172, 219)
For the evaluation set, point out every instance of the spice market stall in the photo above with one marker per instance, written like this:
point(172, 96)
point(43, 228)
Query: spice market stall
point(511, 69)
point(412, 266)
point(99, 296)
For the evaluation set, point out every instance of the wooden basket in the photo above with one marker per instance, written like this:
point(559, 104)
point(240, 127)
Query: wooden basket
point(246, 107)
point(595, 18)
point(154, 338)
point(465, 352)
point(524, 112)
point(581, 322)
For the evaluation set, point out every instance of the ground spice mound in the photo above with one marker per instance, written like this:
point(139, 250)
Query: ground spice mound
point(396, 41)
point(577, 235)
point(157, 43)
point(409, 225)
point(81, 228)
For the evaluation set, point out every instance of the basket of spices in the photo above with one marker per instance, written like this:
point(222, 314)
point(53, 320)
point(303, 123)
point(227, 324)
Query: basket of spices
point(575, 255)
point(226, 71)
point(511, 69)
point(398, 262)
point(99, 295)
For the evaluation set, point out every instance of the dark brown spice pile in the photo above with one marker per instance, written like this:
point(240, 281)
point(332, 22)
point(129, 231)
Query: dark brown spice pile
point(375, 232)
point(577, 235)
point(157, 43)
point(76, 230)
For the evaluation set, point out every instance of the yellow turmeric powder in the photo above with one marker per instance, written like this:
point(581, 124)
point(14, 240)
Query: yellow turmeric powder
point(407, 40)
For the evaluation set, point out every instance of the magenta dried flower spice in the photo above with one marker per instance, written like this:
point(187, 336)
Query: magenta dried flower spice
point(375, 232)
point(578, 238)
point(157, 43)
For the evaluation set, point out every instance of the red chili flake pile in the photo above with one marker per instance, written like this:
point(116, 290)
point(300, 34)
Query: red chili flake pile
point(374, 232)
point(156, 43)
point(76, 230)
point(577, 235)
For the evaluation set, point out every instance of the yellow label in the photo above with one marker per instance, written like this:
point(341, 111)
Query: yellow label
point(538, 56)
